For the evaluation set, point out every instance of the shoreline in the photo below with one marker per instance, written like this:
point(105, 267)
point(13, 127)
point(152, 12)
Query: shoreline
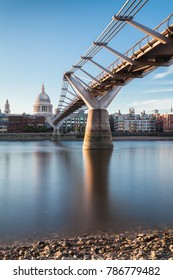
point(145, 245)
point(48, 136)
point(142, 138)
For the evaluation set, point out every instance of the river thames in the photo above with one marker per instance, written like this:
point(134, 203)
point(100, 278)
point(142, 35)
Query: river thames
point(49, 188)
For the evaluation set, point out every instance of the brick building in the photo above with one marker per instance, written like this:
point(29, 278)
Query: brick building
point(25, 123)
point(167, 120)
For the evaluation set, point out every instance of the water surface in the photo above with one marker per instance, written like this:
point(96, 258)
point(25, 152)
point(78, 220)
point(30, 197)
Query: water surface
point(48, 188)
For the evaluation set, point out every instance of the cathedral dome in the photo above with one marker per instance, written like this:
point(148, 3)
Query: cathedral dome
point(42, 97)
point(42, 105)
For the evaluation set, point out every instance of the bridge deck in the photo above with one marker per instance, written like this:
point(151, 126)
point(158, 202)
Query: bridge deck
point(147, 55)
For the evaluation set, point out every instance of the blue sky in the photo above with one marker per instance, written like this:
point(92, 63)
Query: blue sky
point(41, 39)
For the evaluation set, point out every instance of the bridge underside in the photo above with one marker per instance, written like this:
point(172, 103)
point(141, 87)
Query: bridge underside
point(144, 57)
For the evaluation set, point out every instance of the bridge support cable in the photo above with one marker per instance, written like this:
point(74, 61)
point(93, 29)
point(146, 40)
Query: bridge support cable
point(144, 28)
point(100, 66)
point(125, 58)
point(74, 91)
point(131, 61)
point(88, 74)
point(130, 8)
point(67, 103)
point(71, 93)
point(69, 98)
point(63, 94)
point(87, 97)
point(83, 83)
point(91, 101)
point(116, 76)
point(66, 97)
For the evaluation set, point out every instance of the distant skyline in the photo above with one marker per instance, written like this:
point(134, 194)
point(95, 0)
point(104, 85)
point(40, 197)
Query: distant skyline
point(40, 40)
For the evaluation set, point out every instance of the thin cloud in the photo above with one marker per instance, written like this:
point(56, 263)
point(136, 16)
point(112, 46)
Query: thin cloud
point(164, 82)
point(157, 90)
point(164, 74)
point(163, 105)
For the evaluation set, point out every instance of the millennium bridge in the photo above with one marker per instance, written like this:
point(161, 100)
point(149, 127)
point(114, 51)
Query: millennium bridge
point(152, 51)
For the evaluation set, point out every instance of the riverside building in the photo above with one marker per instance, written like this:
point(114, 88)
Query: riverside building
point(25, 123)
point(3, 123)
point(167, 121)
point(76, 123)
point(134, 123)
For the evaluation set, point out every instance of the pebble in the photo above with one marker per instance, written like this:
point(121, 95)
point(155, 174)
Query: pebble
point(149, 245)
point(171, 248)
point(153, 255)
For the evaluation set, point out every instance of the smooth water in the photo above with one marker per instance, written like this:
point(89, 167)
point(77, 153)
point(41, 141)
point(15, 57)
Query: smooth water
point(49, 188)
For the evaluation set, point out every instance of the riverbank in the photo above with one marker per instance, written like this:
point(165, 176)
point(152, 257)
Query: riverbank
point(25, 136)
point(48, 136)
point(142, 138)
point(150, 245)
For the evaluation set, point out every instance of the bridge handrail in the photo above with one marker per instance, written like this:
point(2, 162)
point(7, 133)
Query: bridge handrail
point(130, 8)
point(131, 53)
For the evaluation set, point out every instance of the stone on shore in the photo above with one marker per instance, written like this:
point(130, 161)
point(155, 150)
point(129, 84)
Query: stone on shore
point(153, 245)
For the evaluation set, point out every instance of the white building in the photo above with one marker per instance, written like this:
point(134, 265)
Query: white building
point(134, 122)
point(42, 105)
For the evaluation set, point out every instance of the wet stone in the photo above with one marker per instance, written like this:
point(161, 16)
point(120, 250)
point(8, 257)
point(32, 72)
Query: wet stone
point(171, 248)
point(145, 245)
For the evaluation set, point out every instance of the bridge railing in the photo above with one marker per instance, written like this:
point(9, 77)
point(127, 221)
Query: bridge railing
point(137, 49)
point(148, 40)
point(129, 9)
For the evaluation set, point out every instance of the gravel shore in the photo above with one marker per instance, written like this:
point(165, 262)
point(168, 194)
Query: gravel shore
point(151, 245)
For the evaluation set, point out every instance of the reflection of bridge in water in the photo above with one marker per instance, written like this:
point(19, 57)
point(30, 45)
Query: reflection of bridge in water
point(153, 51)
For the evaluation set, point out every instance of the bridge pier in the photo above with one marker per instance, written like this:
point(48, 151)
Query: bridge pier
point(56, 134)
point(98, 133)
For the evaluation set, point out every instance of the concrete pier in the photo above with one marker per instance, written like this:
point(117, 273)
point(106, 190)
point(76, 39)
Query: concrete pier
point(56, 134)
point(98, 134)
